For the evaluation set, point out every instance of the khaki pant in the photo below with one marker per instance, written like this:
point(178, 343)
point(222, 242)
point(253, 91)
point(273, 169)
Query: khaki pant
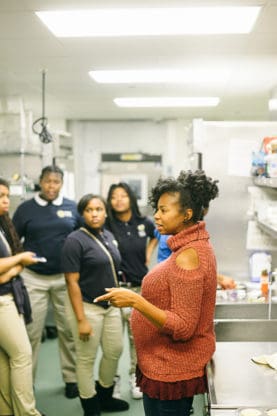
point(126, 314)
point(16, 381)
point(43, 289)
point(107, 334)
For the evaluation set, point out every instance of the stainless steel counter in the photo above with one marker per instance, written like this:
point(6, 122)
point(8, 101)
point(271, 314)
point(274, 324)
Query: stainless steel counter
point(235, 381)
point(244, 310)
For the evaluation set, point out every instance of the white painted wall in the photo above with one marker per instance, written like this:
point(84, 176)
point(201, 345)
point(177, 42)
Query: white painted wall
point(91, 138)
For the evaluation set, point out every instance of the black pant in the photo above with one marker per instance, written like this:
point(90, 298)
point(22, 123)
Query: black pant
point(155, 407)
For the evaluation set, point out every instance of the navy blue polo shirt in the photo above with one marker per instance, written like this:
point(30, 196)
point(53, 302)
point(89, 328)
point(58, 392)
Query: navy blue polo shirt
point(4, 252)
point(132, 238)
point(82, 254)
point(44, 227)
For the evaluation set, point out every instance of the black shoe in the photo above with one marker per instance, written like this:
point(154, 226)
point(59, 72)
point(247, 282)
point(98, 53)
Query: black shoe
point(71, 390)
point(91, 406)
point(107, 402)
point(51, 332)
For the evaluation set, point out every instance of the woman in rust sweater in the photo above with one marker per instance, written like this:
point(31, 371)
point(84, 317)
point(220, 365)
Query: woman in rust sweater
point(172, 321)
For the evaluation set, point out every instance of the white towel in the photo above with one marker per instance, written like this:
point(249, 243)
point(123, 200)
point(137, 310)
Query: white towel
point(270, 360)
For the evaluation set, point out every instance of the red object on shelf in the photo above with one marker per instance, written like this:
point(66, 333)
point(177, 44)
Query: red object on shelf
point(264, 282)
point(268, 143)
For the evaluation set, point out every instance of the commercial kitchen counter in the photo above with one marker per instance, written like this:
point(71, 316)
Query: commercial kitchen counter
point(245, 302)
point(235, 381)
point(242, 309)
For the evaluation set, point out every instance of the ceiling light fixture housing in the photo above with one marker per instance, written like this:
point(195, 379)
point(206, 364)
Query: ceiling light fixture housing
point(150, 21)
point(158, 76)
point(167, 101)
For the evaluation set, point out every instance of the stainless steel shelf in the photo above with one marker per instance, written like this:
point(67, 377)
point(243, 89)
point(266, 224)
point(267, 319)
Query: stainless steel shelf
point(267, 182)
point(18, 153)
point(268, 229)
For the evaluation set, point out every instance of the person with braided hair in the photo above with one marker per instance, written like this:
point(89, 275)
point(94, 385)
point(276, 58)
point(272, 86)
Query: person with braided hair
point(16, 381)
point(172, 319)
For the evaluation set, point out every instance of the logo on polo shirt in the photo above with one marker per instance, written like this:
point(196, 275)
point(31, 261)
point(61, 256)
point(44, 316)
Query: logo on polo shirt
point(63, 213)
point(141, 230)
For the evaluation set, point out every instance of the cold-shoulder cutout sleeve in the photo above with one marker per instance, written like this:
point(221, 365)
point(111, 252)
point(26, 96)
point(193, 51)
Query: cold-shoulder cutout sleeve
point(188, 259)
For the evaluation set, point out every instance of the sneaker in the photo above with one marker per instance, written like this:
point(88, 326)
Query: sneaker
point(51, 332)
point(71, 390)
point(135, 390)
point(116, 389)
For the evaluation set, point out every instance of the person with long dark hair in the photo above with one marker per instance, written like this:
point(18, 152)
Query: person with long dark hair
point(136, 242)
point(16, 381)
point(172, 319)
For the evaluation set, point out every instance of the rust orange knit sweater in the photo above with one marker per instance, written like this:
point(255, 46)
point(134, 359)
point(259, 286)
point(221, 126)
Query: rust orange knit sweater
point(181, 349)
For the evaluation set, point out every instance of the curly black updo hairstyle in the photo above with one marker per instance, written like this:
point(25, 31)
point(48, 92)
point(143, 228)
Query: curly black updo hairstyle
point(195, 188)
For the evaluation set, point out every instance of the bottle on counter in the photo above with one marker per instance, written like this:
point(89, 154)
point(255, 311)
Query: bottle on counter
point(264, 283)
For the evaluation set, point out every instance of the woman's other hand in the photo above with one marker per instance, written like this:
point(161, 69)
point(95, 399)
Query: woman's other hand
point(11, 273)
point(85, 330)
point(18, 269)
point(27, 258)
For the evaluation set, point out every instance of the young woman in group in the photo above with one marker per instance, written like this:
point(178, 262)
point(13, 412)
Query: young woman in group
point(136, 242)
point(172, 319)
point(16, 381)
point(90, 261)
point(44, 222)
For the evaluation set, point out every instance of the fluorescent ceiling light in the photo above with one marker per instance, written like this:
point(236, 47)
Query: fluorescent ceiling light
point(272, 104)
point(167, 102)
point(159, 76)
point(150, 21)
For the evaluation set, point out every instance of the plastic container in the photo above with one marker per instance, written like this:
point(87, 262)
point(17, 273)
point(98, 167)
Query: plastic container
point(271, 165)
point(259, 261)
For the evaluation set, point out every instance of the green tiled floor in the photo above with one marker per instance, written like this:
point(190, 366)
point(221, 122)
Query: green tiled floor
point(50, 388)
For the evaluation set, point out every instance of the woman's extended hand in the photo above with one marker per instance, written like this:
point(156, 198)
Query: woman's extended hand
point(119, 297)
point(226, 282)
point(27, 258)
point(85, 330)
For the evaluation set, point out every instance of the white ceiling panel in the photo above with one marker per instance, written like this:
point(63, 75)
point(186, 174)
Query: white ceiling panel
point(27, 47)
